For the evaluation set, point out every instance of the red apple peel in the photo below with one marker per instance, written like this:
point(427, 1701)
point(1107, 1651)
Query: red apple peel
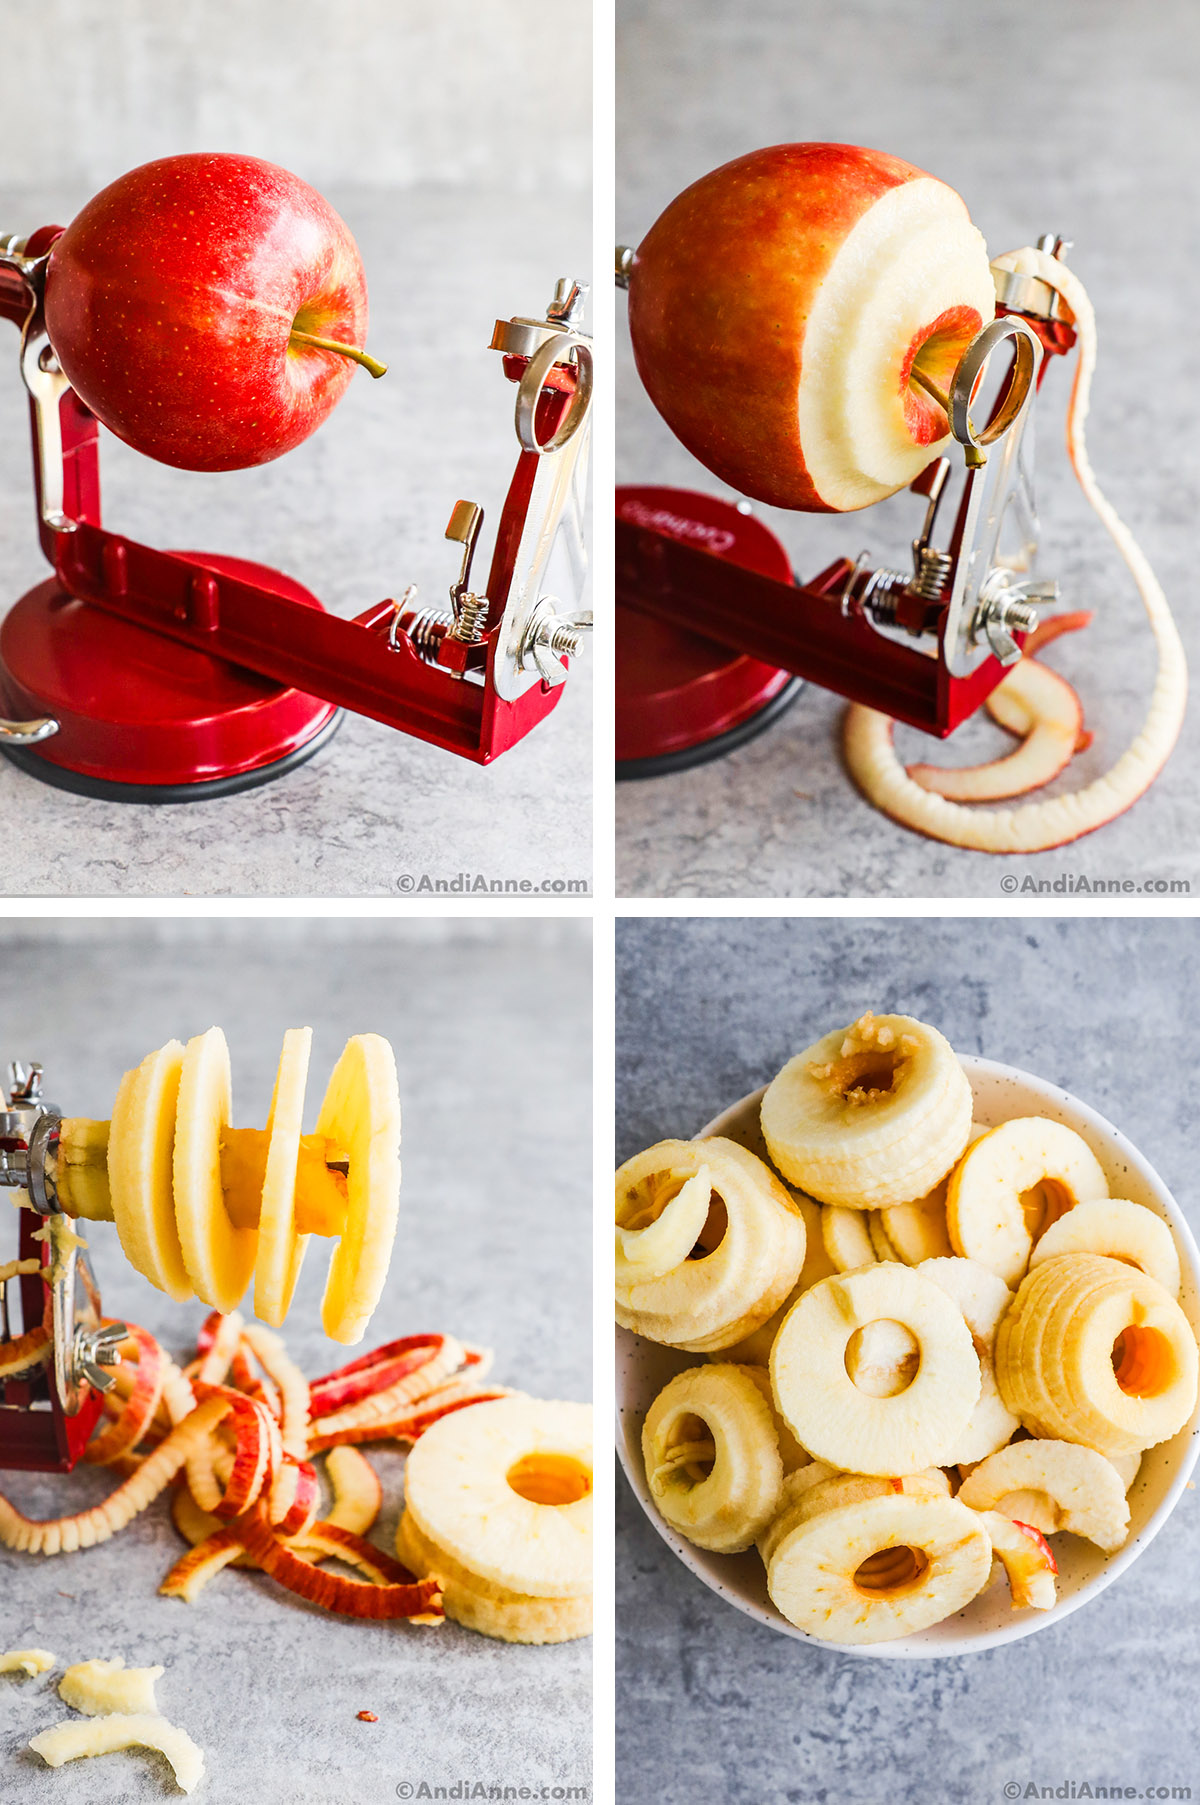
point(1036, 827)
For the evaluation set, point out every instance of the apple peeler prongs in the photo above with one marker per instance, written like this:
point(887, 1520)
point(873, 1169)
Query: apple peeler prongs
point(84, 1348)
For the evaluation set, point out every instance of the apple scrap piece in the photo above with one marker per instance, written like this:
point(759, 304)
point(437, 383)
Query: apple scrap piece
point(123, 1730)
point(26, 1660)
point(98, 1688)
point(1038, 826)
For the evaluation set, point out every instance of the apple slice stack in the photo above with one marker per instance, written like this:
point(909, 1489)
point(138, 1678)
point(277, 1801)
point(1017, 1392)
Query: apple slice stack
point(201, 1207)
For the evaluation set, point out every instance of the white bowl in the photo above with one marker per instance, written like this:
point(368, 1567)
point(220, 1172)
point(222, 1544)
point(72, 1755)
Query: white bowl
point(644, 1367)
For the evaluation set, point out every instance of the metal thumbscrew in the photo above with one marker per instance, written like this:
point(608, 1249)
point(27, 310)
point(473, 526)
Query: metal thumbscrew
point(1008, 606)
point(550, 637)
point(97, 1349)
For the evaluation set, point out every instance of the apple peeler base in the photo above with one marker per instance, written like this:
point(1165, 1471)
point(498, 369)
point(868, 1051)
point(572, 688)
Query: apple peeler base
point(683, 699)
point(144, 718)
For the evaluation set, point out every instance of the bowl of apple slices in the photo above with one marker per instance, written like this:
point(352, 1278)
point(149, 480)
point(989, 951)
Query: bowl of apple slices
point(906, 1348)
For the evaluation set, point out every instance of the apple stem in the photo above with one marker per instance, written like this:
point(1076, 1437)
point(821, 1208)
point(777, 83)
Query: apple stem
point(331, 344)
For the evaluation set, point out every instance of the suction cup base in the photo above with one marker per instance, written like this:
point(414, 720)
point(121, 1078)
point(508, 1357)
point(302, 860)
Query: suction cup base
point(142, 717)
point(205, 789)
point(703, 752)
point(683, 699)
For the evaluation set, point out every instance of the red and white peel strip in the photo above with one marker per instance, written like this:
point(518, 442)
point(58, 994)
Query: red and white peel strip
point(137, 1413)
point(190, 1574)
point(63, 1535)
point(294, 1391)
point(407, 1427)
point(1037, 826)
point(1034, 702)
point(420, 1599)
point(377, 1383)
point(31, 1349)
point(218, 1344)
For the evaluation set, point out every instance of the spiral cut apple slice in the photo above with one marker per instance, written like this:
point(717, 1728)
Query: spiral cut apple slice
point(280, 1245)
point(199, 1205)
point(1037, 826)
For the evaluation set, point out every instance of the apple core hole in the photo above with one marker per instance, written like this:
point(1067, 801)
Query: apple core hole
point(859, 1078)
point(892, 1571)
point(554, 1479)
point(882, 1358)
point(1043, 1204)
point(716, 1227)
point(1143, 1361)
point(934, 353)
point(690, 1453)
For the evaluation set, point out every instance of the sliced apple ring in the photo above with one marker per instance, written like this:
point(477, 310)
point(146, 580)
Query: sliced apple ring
point(218, 1255)
point(1037, 826)
point(140, 1155)
point(846, 1236)
point(880, 1568)
point(281, 1247)
point(1060, 1485)
point(754, 1349)
point(1119, 1230)
point(199, 1204)
point(506, 1489)
point(1011, 1184)
point(712, 1460)
point(849, 1428)
point(361, 1113)
point(754, 1237)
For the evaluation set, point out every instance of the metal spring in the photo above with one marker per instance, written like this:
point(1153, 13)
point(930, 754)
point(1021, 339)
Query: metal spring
point(471, 619)
point(933, 572)
point(421, 625)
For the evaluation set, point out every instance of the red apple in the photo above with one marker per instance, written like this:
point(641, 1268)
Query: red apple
point(779, 308)
point(172, 300)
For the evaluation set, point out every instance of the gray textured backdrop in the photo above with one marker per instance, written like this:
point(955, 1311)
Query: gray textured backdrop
point(1045, 115)
point(455, 142)
point(713, 1709)
point(395, 92)
point(491, 1027)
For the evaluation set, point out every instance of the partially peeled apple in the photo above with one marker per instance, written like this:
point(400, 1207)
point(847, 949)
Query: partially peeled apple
point(787, 310)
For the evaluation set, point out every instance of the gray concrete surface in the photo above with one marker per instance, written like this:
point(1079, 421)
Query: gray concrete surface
point(1044, 115)
point(390, 91)
point(714, 1709)
point(451, 238)
point(491, 1027)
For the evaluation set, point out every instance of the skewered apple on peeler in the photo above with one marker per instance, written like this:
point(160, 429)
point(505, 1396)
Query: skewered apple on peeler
point(202, 1207)
point(209, 309)
point(815, 322)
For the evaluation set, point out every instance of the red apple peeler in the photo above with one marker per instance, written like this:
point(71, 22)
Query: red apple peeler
point(148, 676)
point(57, 1364)
point(716, 634)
